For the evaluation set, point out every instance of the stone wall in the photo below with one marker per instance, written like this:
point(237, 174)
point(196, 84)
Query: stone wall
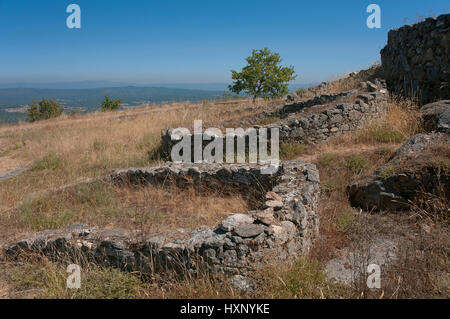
point(317, 123)
point(283, 226)
point(416, 59)
point(311, 121)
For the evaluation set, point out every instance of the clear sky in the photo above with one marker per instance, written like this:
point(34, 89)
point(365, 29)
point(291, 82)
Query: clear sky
point(193, 40)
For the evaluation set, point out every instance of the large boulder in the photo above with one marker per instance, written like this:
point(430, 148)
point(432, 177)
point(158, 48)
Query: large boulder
point(436, 116)
point(420, 166)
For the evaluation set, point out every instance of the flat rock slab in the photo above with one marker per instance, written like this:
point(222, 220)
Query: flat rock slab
point(350, 268)
point(236, 220)
point(248, 231)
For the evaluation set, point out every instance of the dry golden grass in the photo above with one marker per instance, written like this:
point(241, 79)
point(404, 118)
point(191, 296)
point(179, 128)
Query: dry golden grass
point(401, 121)
point(85, 146)
point(150, 209)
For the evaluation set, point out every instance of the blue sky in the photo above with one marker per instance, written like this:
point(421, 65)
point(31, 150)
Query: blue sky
point(192, 41)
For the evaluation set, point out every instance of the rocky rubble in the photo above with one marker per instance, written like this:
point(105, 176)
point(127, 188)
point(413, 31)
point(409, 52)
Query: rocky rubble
point(283, 227)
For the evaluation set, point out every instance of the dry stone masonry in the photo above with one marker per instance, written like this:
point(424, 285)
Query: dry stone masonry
point(416, 59)
point(307, 123)
point(311, 121)
point(283, 226)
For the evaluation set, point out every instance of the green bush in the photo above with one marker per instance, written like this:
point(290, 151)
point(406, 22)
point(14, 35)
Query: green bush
point(44, 109)
point(110, 104)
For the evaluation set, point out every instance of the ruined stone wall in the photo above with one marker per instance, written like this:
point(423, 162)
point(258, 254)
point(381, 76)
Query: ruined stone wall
point(416, 59)
point(333, 121)
point(311, 121)
point(282, 227)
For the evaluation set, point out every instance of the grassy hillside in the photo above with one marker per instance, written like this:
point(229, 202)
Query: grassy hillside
point(68, 150)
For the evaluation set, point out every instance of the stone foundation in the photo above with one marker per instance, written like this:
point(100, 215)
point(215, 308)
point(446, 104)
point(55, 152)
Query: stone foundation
point(284, 225)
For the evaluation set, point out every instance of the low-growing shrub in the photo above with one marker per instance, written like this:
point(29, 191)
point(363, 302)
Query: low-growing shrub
point(51, 161)
point(37, 220)
point(110, 104)
point(289, 151)
point(44, 109)
point(356, 164)
point(299, 280)
point(330, 184)
point(344, 220)
point(49, 280)
point(99, 145)
point(383, 135)
point(387, 171)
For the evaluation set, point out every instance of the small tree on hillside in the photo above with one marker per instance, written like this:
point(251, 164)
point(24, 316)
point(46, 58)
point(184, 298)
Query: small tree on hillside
point(109, 104)
point(44, 109)
point(263, 76)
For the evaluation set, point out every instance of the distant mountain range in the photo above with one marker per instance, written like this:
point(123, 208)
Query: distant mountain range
point(217, 86)
point(111, 84)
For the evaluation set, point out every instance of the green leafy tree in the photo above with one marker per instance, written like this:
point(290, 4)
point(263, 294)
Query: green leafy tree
point(44, 109)
point(263, 76)
point(110, 104)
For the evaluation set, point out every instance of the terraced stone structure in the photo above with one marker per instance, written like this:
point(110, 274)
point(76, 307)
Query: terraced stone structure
point(311, 121)
point(283, 225)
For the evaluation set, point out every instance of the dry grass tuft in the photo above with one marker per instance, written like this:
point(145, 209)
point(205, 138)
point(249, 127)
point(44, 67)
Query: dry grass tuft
point(401, 121)
point(301, 279)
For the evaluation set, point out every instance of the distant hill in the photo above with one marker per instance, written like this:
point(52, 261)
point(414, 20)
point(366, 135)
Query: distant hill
point(90, 99)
